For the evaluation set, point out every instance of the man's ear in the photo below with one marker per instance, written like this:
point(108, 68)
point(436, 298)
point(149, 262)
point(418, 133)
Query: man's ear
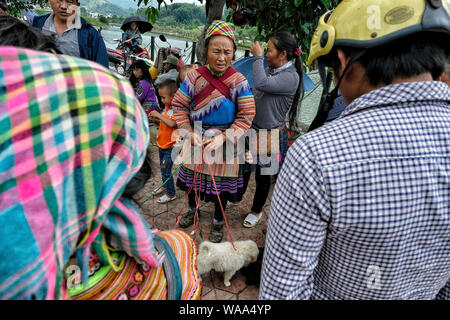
point(343, 61)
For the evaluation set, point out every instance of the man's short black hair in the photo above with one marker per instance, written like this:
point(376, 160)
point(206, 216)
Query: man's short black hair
point(403, 58)
point(14, 32)
point(3, 5)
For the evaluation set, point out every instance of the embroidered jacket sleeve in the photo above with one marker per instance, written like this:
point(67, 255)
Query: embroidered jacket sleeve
point(297, 228)
point(182, 100)
point(245, 104)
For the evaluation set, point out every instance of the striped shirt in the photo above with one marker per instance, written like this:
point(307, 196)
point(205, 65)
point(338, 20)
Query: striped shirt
point(73, 135)
point(361, 209)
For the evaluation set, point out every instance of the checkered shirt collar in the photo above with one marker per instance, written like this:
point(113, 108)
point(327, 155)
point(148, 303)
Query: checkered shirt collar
point(401, 93)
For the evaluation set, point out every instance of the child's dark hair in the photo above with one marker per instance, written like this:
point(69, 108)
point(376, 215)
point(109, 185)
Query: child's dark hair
point(140, 64)
point(183, 69)
point(171, 86)
point(14, 32)
point(284, 41)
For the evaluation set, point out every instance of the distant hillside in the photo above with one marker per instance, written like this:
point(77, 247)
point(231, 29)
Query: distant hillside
point(179, 14)
point(105, 7)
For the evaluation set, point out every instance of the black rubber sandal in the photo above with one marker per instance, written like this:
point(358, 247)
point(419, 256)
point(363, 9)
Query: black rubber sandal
point(216, 234)
point(187, 219)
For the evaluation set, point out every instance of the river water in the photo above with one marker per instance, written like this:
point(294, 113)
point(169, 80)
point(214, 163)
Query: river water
point(116, 33)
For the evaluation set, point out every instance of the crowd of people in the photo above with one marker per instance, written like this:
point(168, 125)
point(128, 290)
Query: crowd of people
point(361, 206)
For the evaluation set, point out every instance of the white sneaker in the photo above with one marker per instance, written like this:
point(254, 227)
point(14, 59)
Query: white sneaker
point(165, 198)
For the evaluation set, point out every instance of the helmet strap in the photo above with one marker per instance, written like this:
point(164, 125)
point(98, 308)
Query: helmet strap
point(328, 98)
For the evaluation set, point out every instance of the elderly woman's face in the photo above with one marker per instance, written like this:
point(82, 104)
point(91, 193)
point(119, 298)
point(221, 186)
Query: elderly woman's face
point(220, 53)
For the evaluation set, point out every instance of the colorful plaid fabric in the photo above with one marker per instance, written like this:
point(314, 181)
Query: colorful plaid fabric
point(221, 28)
point(72, 137)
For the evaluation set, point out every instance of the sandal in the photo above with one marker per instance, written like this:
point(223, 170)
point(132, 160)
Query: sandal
point(165, 198)
point(216, 234)
point(188, 219)
point(251, 220)
point(162, 190)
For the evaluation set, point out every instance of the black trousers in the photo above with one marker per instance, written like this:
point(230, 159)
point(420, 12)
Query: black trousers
point(217, 210)
point(263, 183)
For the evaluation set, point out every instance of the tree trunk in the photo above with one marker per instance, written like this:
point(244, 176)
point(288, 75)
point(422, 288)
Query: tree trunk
point(214, 11)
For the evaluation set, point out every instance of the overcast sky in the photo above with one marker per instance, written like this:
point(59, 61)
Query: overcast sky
point(187, 1)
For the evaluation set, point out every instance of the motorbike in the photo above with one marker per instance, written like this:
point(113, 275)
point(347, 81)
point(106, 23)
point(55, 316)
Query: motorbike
point(176, 51)
point(126, 53)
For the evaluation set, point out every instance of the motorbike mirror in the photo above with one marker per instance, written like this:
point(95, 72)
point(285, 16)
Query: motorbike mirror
point(162, 38)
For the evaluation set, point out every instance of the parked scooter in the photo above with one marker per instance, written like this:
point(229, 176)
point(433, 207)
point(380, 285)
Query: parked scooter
point(176, 51)
point(121, 58)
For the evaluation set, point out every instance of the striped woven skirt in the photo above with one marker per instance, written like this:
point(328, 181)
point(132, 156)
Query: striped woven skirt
point(229, 188)
point(141, 282)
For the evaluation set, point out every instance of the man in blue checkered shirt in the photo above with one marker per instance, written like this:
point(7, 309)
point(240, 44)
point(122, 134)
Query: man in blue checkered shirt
point(361, 208)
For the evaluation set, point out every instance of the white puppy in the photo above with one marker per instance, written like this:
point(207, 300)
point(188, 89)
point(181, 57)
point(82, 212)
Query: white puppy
point(223, 258)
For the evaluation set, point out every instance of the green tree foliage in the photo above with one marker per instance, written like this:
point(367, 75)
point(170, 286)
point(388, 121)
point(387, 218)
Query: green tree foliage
point(188, 14)
point(299, 17)
point(185, 14)
point(17, 6)
point(103, 19)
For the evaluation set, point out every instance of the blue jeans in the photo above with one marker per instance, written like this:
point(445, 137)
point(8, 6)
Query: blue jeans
point(166, 163)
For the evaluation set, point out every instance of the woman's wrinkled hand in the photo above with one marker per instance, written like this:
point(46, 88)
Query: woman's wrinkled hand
point(196, 139)
point(257, 49)
point(215, 143)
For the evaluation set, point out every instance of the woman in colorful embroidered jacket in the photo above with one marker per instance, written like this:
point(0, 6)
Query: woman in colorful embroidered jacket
point(70, 144)
point(199, 100)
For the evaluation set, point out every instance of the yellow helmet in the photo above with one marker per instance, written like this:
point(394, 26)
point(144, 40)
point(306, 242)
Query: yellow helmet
point(371, 23)
point(153, 72)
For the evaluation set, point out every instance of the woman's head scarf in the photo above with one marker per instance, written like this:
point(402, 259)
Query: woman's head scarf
point(73, 135)
point(221, 28)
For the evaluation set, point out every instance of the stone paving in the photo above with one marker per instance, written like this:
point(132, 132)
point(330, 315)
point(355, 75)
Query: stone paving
point(163, 217)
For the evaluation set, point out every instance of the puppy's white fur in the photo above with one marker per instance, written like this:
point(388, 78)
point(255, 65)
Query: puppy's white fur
point(222, 257)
